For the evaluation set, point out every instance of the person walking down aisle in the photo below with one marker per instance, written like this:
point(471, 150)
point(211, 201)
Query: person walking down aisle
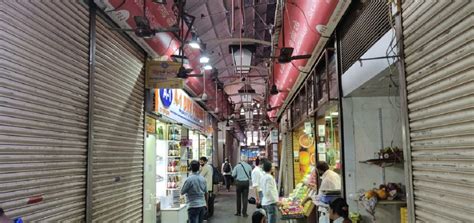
point(206, 172)
point(270, 193)
point(241, 174)
point(195, 189)
point(226, 170)
point(256, 175)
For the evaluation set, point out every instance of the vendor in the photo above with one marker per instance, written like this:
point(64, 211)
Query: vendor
point(330, 180)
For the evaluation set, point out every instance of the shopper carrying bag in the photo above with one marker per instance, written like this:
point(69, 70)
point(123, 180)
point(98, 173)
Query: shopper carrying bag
point(241, 173)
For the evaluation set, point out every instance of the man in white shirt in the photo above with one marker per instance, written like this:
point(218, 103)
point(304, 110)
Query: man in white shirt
point(270, 193)
point(257, 173)
point(330, 180)
point(206, 172)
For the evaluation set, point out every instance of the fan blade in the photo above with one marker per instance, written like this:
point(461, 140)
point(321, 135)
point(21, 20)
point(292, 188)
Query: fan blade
point(195, 75)
point(141, 21)
point(164, 30)
point(122, 30)
point(301, 57)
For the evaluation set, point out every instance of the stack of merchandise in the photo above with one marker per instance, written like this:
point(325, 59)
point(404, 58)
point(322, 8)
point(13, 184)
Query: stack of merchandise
point(291, 207)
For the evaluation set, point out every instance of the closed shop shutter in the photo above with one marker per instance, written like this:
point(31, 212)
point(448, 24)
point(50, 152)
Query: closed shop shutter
point(369, 18)
point(118, 128)
point(439, 46)
point(43, 109)
point(290, 161)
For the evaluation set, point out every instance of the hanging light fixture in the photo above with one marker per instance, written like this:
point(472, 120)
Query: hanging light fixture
point(194, 43)
point(242, 57)
point(207, 67)
point(204, 59)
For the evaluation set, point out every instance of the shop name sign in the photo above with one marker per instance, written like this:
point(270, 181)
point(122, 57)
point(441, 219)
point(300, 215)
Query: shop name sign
point(162, 74)
point(274, 136)
point(177, 105)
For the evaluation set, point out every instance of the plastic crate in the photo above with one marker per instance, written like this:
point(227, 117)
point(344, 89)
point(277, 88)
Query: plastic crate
point(403, 215)
point(327, 199)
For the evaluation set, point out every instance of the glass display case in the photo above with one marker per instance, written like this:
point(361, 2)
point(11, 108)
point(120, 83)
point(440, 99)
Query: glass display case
point(195, 145)
point(171, 164)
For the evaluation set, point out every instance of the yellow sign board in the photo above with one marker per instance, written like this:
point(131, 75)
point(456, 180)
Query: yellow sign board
point(171, 83)
point(162, 74)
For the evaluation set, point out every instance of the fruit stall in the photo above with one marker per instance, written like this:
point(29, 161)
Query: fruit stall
point(292, 207)
point(297, 205)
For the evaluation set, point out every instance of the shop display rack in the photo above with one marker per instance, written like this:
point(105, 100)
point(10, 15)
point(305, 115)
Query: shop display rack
point(383, 162)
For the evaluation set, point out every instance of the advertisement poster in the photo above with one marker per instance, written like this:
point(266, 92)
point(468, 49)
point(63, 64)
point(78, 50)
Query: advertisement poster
point(304, 153)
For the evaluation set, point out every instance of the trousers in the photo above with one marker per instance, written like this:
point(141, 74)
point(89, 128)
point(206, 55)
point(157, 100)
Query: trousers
point(271, 213)
point(227, 179)
point(196, 215)
point(242, 188)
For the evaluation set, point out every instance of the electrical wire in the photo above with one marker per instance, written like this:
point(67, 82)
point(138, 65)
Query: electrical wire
point(390, 48)
point(118, 7)
point(304, 15)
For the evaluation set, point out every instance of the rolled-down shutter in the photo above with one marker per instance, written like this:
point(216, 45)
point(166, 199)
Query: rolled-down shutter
point(438, 40)
point(118, 128)
point(43, 109)
point(289, 161)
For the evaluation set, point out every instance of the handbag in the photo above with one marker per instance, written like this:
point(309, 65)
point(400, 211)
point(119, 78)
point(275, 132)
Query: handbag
point(252, 200)
point(248, 177)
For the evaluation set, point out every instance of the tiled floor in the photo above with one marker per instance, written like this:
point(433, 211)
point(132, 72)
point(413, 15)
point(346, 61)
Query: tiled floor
point(224, 209)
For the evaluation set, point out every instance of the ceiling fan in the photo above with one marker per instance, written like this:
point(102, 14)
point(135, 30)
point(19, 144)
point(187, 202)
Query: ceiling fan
point(216, 110)
point(143, 28)
point(286, 53)
point(203, 98)
point(185, 73)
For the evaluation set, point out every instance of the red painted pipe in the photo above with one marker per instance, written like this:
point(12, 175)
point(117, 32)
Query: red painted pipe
point(302, 32)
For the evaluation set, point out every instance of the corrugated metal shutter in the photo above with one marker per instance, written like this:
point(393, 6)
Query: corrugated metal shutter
point(368, 17)
point(118, 128)
point(43, 109)
point(438, 41)
point(289, 161)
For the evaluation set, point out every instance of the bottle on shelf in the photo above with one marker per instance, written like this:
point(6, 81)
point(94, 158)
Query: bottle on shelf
point(173, 182)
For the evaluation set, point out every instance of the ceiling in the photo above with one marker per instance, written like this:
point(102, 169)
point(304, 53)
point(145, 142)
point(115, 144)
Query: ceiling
point(383, 84)
point(213, 25)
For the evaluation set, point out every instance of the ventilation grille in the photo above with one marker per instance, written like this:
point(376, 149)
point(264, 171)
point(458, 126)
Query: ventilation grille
point(364, 25)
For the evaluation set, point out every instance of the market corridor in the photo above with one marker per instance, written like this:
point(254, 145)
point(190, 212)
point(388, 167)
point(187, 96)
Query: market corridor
point(224, 208)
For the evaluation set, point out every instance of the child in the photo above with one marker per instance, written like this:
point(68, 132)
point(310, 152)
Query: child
point(339, 211)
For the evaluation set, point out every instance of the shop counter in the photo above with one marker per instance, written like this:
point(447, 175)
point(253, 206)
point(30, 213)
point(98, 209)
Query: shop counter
point(178, 214)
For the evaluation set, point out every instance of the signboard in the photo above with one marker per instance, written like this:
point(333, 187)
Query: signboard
point(175, 83)
point(308, 128)
point(177, 105)
point(274, 136)
point(321, 130)
point(162, 74)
